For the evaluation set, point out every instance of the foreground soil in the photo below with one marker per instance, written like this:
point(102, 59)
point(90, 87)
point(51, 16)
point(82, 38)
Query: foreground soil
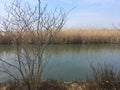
point(52, 85)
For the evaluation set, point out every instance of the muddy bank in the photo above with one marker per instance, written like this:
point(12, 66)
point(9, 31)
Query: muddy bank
point(51, 85)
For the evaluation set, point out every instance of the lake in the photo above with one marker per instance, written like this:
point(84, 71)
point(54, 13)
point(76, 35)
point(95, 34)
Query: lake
point(71, 62)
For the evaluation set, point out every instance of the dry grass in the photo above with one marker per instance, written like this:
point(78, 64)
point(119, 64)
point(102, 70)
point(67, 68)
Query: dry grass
point(72, 36)
point(88, 36)
point(44, 85)
point(105, 77)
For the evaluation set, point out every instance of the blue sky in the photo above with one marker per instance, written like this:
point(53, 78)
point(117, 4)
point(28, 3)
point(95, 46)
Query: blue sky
point(86, 13)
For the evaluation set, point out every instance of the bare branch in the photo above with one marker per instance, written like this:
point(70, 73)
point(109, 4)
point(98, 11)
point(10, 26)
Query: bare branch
point(37, 24)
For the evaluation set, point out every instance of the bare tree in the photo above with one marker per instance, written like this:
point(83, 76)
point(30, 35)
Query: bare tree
point(30, 25)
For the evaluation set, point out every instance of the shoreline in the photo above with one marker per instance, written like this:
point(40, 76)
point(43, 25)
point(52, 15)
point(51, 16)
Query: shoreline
point(76, 85)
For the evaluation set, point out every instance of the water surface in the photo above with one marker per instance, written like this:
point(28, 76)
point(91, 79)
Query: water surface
point(70, 62)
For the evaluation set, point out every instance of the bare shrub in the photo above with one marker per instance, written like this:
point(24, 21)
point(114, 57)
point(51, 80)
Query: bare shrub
point(105, 77)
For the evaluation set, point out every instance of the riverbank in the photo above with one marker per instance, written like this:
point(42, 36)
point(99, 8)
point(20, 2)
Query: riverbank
point(69, 36)
point(52, 85)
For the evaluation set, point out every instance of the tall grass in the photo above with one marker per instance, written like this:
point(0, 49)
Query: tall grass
point(71, 36)
point(88, 36)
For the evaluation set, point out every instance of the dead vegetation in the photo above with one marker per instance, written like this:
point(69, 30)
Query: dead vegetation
point(69, 37)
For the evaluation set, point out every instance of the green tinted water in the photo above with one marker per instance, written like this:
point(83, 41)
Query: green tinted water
point(71, 62)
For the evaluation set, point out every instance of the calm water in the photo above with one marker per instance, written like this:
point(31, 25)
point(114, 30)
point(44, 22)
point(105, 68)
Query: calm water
point(70, 62)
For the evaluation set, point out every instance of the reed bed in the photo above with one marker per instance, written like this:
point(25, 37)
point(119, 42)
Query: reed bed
point(70, 36)
point(88, 36)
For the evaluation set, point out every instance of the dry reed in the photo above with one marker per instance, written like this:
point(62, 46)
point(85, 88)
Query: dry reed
point(71, 36)
point(88, 36)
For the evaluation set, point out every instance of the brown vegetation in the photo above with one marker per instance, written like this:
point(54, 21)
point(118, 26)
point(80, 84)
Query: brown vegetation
point(52, 85)
point(44, 85)
point(106, 77)
point(69, 37)
point(88, 36)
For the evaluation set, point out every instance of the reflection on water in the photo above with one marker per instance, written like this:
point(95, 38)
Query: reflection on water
point(71, 62)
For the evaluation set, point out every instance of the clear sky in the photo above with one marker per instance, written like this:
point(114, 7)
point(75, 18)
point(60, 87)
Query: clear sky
point(86, 13)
